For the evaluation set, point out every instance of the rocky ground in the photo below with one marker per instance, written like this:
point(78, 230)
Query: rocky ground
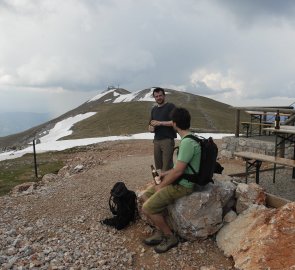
point(57, 225)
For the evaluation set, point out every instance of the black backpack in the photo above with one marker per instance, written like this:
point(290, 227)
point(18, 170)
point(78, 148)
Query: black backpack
point(208, 162)
point(123, 205)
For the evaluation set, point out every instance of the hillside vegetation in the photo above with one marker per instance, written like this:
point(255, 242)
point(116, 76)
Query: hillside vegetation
point(132, 117)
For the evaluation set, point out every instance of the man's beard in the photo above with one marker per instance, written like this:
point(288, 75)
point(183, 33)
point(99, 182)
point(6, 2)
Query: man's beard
point(161, 102)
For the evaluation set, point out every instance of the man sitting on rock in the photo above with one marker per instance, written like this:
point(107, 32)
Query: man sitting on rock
point(172, 186)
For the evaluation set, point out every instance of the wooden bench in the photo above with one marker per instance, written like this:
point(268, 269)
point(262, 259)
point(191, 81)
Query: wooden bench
point(247, 125)
point(255, 160)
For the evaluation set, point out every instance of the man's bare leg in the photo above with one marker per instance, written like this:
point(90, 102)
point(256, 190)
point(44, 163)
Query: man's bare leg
point(160, 222)
point(165, 241)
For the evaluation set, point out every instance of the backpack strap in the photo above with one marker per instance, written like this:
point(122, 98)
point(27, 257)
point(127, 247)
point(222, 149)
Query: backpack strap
point(198, 140)
point(192, 168)
point(189, 177)
point(113, 205)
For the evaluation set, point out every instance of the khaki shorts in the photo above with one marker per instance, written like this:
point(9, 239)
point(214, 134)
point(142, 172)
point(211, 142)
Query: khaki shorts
point(158, 201)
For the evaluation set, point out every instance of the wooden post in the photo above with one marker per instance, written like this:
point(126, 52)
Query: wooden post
point(237, 132)
point(282, 148)
point(264, 121)
point(35, 159)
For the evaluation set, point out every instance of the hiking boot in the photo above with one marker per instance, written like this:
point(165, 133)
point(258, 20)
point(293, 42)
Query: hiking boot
point(168, 242)
point(155, 239)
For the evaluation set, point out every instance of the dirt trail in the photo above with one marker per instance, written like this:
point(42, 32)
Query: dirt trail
point(70, 210)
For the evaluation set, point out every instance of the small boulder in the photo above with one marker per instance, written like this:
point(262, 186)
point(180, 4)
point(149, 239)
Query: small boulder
point(26, 188)
point(78, 168)
point(248, 194)
point(50, 177)
point(230, 216)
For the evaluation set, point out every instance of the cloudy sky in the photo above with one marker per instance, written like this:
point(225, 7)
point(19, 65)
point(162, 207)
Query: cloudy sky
point(54, 55)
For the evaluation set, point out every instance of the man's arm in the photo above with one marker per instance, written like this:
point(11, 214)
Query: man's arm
point(151, 127)
point(172, 175)
point(161, 123)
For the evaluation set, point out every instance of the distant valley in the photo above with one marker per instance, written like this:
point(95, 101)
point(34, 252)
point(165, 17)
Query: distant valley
point(15, 122)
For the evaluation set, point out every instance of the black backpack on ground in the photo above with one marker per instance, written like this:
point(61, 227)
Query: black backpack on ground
point(123, 205)
point(208, 162)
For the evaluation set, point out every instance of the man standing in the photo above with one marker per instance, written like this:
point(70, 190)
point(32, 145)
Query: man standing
point(173, 185)
point(161, 125)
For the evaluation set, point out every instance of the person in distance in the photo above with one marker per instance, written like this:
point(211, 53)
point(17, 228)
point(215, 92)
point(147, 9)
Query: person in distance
point(161, 124)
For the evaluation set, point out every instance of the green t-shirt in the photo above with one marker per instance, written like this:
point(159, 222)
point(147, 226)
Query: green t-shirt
point(189, 152)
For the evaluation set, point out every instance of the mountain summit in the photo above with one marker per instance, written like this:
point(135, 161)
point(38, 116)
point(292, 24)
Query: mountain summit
point(117, 95)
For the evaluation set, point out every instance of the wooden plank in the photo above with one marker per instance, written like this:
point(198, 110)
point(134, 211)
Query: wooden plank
point(267, 113)
point(272, 200)
point(275, 201)
point(257, 124)
point(283, 129)
point(287, 109)
point(271, 159)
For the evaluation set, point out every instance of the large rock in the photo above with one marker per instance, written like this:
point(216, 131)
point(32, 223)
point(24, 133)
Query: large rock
point(229, 237)
point(200, 214)
point(261, 238)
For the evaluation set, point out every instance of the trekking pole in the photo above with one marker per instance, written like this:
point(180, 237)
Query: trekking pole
point(35, 159)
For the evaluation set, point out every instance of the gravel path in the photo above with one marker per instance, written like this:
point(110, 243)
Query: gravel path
point(57, 226)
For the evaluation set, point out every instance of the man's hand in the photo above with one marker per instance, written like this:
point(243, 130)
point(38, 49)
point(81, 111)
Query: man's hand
point(151, 128)
point(158, 187)
point(156, 123)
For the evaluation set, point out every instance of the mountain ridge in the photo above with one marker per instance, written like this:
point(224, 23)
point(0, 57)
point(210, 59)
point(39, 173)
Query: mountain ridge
point(121, 112)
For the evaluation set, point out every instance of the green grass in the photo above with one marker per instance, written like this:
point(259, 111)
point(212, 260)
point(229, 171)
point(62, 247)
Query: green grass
point(113, 120)
point(21, 170)
point(17, 171)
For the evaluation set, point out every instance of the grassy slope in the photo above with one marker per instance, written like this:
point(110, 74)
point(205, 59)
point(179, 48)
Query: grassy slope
point(114, 119)
point(132, 117)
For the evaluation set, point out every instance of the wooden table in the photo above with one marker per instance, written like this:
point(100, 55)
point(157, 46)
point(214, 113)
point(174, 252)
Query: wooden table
point(285, 134)
point(251, 125)
point(254, 160)
point(259, 112)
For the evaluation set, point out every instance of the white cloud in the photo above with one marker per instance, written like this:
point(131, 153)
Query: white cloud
point(215, 80)
point(78, 46)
